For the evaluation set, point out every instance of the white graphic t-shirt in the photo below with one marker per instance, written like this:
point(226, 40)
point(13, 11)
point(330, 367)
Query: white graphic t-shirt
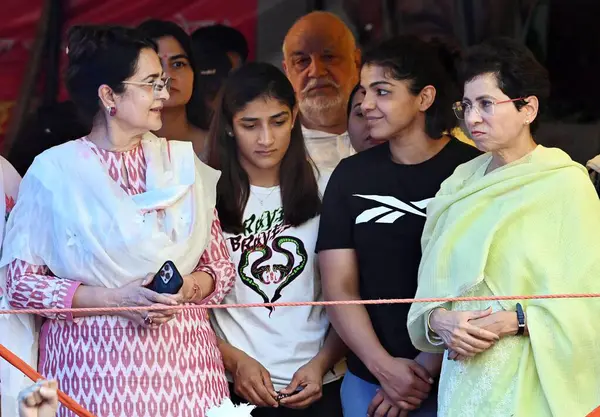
point(275, 263)
point(327, 149)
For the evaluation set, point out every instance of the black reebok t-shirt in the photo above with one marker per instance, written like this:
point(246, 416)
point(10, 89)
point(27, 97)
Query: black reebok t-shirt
point(377, 208)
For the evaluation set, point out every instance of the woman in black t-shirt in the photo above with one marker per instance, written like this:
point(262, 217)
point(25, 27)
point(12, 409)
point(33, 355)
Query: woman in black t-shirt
point(371, 224)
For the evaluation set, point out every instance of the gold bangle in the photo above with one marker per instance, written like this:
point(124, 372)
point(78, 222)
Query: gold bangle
point(196, 288)
point(429, 321)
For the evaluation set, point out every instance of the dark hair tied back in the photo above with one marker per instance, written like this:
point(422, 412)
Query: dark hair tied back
point(419, 63)
point(101, 55)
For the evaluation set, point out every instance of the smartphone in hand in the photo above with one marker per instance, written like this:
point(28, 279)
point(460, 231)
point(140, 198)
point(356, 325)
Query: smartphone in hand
point(167, 280)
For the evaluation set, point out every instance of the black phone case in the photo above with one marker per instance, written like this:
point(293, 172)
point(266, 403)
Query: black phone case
point(167, 280)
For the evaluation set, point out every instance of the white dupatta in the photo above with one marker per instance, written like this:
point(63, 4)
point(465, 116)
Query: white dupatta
point(72, 217)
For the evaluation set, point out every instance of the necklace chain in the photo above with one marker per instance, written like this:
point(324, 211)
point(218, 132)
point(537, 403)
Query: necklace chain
point(262, 200)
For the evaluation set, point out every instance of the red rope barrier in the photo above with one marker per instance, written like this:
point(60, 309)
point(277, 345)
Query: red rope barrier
point(76, 408)
point(65, 400)
point(297, 304)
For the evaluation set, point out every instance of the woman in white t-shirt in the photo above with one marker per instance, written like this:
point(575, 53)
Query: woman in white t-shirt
point(269, 199)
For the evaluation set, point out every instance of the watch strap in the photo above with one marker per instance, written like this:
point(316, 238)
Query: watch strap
point(520, 319)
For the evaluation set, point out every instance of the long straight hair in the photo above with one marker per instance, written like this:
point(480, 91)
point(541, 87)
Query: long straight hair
point(297, 175)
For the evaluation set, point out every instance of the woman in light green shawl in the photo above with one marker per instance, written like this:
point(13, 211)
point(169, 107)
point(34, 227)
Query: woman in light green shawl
point(521, 219)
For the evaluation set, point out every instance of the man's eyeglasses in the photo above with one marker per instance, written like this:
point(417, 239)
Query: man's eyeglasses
point(157, 86)
point(483, 107)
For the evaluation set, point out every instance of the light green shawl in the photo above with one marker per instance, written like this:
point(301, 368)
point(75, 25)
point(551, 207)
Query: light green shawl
point(530, 227)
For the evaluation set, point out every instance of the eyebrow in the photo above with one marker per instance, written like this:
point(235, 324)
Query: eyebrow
point(254, 119)
point(485, 96)
point(329, 50)
point(180, 56)
point(152, 76)
point(376, 83)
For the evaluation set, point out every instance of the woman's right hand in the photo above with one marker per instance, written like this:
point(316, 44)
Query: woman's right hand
point(253, 382)
point(136, 294)
point(459, 335)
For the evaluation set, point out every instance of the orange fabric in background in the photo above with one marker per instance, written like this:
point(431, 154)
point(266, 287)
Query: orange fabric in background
point(20, 20)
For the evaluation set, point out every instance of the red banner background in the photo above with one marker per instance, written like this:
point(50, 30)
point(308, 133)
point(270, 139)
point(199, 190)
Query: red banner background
point(20, 19)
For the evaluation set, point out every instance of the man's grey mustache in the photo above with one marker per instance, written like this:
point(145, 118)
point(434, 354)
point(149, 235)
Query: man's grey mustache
point(315, 83)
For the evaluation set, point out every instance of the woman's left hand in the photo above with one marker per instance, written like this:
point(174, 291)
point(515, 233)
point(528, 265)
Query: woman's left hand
point(194, 287)
point(459, 334)
point(502, 323)
point(309, 379)
point(383, 406)
point(185, 293)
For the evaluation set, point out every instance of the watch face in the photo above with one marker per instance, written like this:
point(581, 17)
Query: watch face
point(166, 273)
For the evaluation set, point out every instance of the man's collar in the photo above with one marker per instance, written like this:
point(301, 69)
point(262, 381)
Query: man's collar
point(319, 134)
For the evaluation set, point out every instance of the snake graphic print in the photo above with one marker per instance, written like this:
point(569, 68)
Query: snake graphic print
point(270, 260)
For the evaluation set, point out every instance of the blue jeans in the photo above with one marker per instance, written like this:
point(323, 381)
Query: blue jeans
point(357, 394)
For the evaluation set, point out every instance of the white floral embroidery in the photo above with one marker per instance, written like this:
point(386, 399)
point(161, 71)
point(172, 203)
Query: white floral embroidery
point(483, 385)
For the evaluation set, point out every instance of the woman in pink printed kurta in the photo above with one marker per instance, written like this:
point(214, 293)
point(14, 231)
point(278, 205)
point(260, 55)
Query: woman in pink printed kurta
point(108, 362)
point(10, 180)
point(97, 215)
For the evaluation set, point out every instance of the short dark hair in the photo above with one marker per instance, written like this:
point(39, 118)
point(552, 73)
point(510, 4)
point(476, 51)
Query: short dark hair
point(224, 37)
point(299, 190)
point(420, 63)
point(101, 55)
point(517, 72)
point(196, 109)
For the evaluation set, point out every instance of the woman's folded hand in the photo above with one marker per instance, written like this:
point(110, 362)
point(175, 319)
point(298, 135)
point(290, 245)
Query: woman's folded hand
point(460, 334)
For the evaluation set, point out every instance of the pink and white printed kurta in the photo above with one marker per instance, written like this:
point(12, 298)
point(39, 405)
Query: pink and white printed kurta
point(112, 366)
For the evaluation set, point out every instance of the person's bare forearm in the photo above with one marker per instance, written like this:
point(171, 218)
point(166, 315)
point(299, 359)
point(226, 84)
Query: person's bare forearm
point(353, 325)
point(432, 362)
point(333, 350)
point(339, 271)
point(230, 354)
point(87, 296)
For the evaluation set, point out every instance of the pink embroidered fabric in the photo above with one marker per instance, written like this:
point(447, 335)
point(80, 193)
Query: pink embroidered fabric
point(109, 364)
